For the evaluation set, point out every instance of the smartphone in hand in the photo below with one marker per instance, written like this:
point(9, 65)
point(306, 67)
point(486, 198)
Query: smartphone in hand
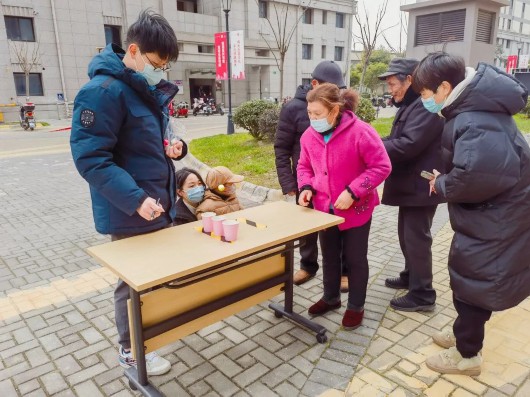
point(427, 175)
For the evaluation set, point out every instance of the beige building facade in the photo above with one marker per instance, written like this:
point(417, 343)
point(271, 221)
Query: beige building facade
point(468, 28)
point(66, 35)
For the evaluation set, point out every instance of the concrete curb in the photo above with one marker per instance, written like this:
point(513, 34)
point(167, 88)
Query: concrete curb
point(249, 191)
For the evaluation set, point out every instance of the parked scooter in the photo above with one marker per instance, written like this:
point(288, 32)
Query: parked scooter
point(27, 116)
point(216, 108)
point(201, 107)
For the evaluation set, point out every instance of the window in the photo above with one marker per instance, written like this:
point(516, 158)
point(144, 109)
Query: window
point(205, 49)
point(485, 23)
point(19, 29)
point(323, 54)
point(112, 34)
point(307, 50)
point(508, 43)
point(308, 16)
point(262, 53)
point(338, 53)
point(180, 46)
point(187, 6)
point(35, 84)
point(339, 20)
point(263, 11)
point(324, 17)
point(509, 24)
point(440, 28)
point(306, 81)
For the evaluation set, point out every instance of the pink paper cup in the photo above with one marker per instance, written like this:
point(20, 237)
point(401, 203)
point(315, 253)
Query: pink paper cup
point(230, 229)
point(217, 222)
point(207, 221)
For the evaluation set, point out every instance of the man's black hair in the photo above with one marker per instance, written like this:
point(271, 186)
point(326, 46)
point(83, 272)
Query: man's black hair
point(153, 33)
point(436, 68)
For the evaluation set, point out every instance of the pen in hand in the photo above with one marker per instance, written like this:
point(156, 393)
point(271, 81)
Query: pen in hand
point(153, 212)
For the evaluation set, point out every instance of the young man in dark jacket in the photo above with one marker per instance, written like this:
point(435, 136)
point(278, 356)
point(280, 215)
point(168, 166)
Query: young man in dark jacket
point(414, 145)
point(487, 186)
point(292, 124)
point(118, 146)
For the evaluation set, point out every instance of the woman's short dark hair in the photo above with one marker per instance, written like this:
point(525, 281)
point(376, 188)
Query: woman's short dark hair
point(153, 33)
point(436, 68)
point(182, 174)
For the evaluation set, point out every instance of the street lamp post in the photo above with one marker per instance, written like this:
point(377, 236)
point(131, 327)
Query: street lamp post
point(519, 48)
point(226, 8)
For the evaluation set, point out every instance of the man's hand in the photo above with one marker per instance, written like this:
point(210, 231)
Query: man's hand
point(293, 193)
point(174, 150)
point(344, 201)
point(432, 182)
point(305, 198)
point(149, 209)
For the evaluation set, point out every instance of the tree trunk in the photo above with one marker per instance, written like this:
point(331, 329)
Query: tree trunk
point(282, 59)
point(27, 85)
point(361, 82)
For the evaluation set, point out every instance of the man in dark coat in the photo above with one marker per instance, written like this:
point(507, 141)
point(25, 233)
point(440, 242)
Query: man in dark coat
point(413, 146)
point(292, 124)
point(487, 186)
point(119, 147)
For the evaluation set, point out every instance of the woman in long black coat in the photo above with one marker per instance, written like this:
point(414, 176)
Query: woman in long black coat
point(487, 187)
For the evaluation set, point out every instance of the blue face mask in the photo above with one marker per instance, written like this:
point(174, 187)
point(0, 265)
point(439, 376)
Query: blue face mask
point(431, 105)
point(152, 76)
point(321, 125)
point(196, 194)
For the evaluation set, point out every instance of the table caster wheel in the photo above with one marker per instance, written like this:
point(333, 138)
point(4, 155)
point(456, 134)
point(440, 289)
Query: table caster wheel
point(322, 338)
point(278, 314)
point(132, 386)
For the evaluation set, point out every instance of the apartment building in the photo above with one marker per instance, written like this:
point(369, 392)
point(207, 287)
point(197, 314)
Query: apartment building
point(514, 31)
point(65, 35)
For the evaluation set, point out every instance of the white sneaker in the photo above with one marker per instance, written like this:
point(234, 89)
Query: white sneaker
point(155, 364)
point(450, 361)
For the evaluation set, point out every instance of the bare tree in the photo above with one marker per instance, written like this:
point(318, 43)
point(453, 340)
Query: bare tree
point(26, 59)
point(283, 28)
point(403, 29)
point(369, 34)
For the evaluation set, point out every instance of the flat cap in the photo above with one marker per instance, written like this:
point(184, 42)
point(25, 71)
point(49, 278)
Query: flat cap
point(405, 66)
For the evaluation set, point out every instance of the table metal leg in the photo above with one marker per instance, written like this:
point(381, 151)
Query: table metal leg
point(287, 310)
point(138, 376)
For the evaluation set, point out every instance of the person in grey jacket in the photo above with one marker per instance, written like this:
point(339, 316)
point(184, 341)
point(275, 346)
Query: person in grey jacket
point(487, 187)
point(414, 145)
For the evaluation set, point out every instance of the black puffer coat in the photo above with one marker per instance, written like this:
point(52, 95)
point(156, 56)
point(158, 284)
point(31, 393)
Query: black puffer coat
point(292, 124)
point(414, 145)
point(487, 186)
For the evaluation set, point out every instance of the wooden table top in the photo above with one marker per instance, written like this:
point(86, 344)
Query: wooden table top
point(165, 255)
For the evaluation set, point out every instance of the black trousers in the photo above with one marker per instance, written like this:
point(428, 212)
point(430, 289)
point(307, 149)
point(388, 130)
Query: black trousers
point(469, 328)
point(351, 247)
point(414, 231)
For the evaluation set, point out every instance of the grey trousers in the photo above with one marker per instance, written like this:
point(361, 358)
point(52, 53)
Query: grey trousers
point(414, 232)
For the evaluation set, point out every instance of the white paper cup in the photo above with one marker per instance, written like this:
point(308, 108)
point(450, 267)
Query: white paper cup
point(230, 229)
point(207, 225)
point(217, 222)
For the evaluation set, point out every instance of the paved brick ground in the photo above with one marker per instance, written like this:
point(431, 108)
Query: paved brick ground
point(57, 334)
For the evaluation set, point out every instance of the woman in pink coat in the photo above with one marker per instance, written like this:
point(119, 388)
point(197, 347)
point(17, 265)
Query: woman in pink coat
point(342, 162)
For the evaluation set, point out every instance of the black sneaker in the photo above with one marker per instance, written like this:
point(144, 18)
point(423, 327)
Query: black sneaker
point(406, 304)
point(396, 283)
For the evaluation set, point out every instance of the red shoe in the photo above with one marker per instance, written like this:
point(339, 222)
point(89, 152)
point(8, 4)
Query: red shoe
point(352, 319)
point(322, 307)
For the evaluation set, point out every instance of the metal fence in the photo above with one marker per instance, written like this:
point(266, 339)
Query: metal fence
point(43, 111)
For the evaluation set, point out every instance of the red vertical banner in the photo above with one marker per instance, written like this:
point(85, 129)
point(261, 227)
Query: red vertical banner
point(511, 63)
point(221, 64)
